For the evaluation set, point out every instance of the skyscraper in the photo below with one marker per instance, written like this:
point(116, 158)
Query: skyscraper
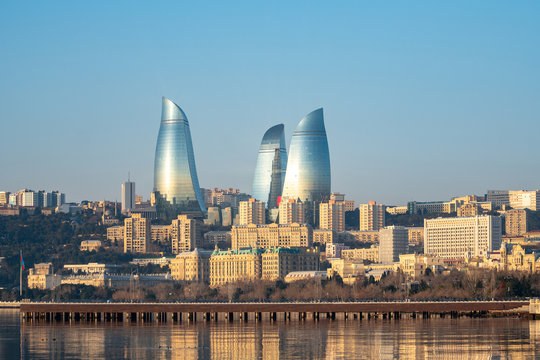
point(308, 168)
point(128, 196)
point(176, 186)
point(271, 165)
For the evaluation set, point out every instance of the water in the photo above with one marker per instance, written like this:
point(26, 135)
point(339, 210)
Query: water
point(464, 338)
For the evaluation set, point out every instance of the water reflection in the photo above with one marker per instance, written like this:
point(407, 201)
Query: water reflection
point(385, 339)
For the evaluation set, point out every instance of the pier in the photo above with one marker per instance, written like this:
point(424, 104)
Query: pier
point(287, 311)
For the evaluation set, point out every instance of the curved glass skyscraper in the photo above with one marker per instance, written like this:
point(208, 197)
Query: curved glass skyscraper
point(270, 169)
point(308, 168)
point(176, 187)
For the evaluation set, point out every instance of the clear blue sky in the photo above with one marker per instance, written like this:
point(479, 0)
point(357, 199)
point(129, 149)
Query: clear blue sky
point(423, 100)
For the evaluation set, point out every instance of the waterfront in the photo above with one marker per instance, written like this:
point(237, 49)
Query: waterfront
point(480, 338)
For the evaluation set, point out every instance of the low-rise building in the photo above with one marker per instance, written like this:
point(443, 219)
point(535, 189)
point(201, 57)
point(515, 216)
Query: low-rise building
point(322, 236)
point(348, 270)
point(235, 265)
point(305, 275)
point(192, 266)
point(368, 236)
point(215, 237)
point(518, 257)
point(370, 254)
point(90, 268)
point(415, 265)
point(41, 277)
point(334, 250)
point(161, 233)
point(115, 234)
point(278, 262)
point(90, 245)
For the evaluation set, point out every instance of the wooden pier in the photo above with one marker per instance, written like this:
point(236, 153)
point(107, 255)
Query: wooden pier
point(191, 312)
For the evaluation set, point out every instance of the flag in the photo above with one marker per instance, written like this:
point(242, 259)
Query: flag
point(22, 263)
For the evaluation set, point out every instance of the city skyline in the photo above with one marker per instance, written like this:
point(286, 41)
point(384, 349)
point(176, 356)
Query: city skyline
point(422, 102)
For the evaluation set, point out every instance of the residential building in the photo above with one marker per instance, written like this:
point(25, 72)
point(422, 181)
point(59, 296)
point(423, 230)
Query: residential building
point(393, 241)
point(191, 266)
point(370, 254)
point(227, 216)
point(324, 236)
point(270, 168)
point(416, 235)
point(185, 234)
point(28, 198)
point(213, 216)
point(4, 197)
point(516, 222)
point(372, 216)
point(215, 237)
point(271, 236)
point(137, 234)
point(523, 199)
point(291, 211)
point(176, 185)
point(366, 236)
point(332, 216)
point(252, 212)
point(340, 198)
point(57, 198)
point(160, 233)
point(462, 237)
point(115, 234)
point(334, 250)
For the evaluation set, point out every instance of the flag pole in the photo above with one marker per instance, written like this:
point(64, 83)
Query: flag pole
point(20, 275)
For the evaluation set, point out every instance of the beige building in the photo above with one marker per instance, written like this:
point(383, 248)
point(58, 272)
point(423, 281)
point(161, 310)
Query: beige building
point(371, 236)
point(251, 212)
point(515, 222)
point(348, 270)
point(371, 254)
point(415, 265)
point(523, 199)
point(185, 234)
point(215, 237)
point(235, 265)
point(254, 264)
point(42, 277)
point(90, 245)
point(137, 234)
point(191, 266)
point(324, 236)
point(340, 198)
point(416, 235)
point(372, 216)
point(161, 233)
point(469, 209)
point(278, 262)
point(332, 216)
point(462, 237)
point(291, 211)
point(271, 236)
point(396, 210)
point(517, 257)
point(115, 234)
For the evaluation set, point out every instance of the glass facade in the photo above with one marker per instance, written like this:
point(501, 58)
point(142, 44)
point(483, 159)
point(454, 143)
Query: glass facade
point(176, 185)
point(308, 168)
point(270, 169)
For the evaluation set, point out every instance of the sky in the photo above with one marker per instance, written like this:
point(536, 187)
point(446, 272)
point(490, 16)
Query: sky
point(423, 100)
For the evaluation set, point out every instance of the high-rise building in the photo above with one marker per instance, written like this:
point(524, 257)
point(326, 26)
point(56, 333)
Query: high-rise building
point(28, 198)
point(523, 199)
point(340, 198)
point(176, 186)
point(516, 222)
point(44, 199)
point(227, 216)
point(57, 198)
point(372, 216)
point(213, 216)
point(137, 233)
point(4, 197)
point(498, 197)
point(308, 175)
point(332, 215)
point(393, 241)
point(252, 212)
point(291, 211)
point(185, 234)
point(271, 165)
point(128, 196)
point(462, 237)
point(271, 236)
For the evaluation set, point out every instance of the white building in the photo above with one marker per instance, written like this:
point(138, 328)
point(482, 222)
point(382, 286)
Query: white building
point(333, 250)
point(462, 237)
point(393, 241)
